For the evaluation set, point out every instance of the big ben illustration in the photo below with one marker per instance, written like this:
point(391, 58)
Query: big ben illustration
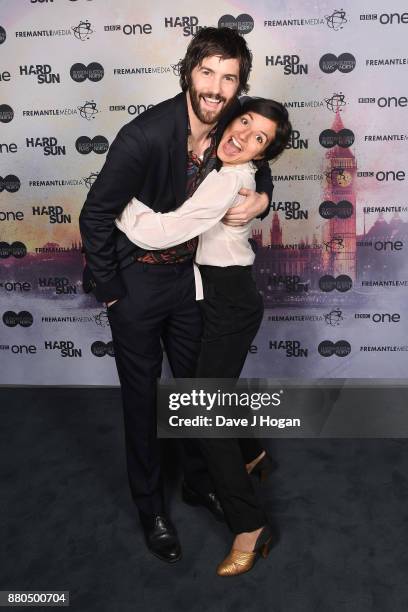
point(339, 231)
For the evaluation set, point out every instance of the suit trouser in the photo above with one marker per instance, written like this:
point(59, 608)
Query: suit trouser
point(232, 313)
point(159, 307)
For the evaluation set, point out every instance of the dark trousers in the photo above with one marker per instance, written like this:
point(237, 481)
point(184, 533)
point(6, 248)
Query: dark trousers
point(159, 307)
point(232, 313)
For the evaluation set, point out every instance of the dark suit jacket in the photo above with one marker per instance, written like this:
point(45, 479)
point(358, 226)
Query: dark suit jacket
point(147, 159)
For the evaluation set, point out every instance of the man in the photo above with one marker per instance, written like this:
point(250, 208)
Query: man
point(161, 157)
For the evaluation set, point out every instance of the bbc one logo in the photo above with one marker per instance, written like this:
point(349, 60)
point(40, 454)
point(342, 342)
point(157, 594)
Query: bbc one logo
point(97, 144)
point(243, 24)
point(23, 318)
point(129, 29)
point(329, 63)
point(6, 113)
point(43, 72)
point(93, 71)
point(386, 18)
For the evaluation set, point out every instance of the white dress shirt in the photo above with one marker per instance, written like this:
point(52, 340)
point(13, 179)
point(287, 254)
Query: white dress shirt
point(219, 244)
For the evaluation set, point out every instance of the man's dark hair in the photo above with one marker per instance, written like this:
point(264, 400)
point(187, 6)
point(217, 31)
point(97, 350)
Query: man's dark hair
point(275, 111)
point(224, 42)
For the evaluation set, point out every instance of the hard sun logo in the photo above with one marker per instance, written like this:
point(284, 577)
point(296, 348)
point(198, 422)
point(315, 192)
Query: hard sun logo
point(291, 283)
point(60, 284)
point(49, 145)
point(290, 63)
point(66, 347)
point(55, 214)
point(296, 142)
point(292, 348)
point(189, 25)
point(43, 72)
point(292, 210)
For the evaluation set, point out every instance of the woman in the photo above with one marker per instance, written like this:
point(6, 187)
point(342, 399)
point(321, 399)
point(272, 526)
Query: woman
point(232, 307)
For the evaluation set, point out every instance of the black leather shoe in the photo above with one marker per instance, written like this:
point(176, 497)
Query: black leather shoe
point(208, 500)
point(161, 537)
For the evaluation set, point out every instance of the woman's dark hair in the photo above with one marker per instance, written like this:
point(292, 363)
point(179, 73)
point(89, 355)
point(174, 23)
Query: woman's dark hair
point(224, 42)
point(275, 111)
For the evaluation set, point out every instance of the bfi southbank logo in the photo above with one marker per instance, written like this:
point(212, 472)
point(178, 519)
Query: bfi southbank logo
point(48, 144)
point(290, 64)
point(43, 73)
point(55, 214)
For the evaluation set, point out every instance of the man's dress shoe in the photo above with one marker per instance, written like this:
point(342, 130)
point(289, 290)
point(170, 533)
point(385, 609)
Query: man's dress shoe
point(208, 500)
point(161, 537)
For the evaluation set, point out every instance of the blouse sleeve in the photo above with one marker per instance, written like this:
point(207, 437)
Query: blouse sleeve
point(155, 230)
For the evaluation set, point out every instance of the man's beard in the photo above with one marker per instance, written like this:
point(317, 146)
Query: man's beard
point(207, 117)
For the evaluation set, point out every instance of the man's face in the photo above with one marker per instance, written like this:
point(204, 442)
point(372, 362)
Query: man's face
point(214, 85)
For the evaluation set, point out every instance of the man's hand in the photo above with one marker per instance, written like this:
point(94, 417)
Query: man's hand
point(254, 205)
point(110, 303)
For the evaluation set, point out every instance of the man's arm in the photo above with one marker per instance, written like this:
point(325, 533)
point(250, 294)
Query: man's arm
point(203, 210)
point(257, 203)
point(119, 180)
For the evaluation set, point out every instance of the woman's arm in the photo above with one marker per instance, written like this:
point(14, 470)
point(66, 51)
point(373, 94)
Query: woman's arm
point(151, 230)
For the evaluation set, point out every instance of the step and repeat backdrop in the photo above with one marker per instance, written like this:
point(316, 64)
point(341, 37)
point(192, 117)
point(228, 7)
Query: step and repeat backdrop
point(332, 255)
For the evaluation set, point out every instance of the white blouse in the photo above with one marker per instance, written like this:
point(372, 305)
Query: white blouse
point(219, 244)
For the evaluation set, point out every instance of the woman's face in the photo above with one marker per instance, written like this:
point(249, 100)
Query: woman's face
point(246, 138)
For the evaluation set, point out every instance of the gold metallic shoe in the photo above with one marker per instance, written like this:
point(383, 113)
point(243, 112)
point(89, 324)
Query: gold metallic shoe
point(239, 561)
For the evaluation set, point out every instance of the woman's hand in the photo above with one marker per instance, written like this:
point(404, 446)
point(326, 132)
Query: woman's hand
point(254, 205)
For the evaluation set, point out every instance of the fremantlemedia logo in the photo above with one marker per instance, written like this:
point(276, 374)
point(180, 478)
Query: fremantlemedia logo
point(100, 349)
point(329, 138)
point(341, 348)
point(336, 102)
point(10, 183)
point(341, 210)
point(23, 318)
point(89, 110)
point(16, 249)
point(3, 35)
point(244, 23)
point(346, 62)
point(6, 113)
point(83, 30)
point(94, 72)
point(342, 283)
point(89, 180)
point(334, 317)
point(97, 144)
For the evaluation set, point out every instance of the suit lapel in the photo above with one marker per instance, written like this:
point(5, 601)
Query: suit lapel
point(178, 149)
